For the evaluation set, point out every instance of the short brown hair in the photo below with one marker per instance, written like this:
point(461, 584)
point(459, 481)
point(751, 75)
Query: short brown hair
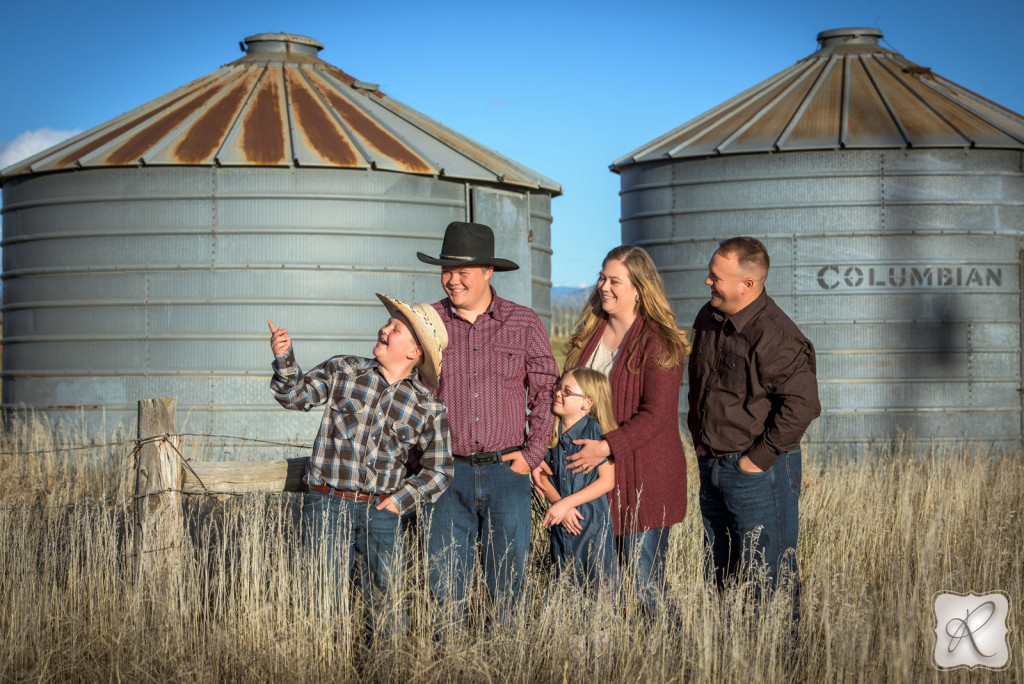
point(750, 253)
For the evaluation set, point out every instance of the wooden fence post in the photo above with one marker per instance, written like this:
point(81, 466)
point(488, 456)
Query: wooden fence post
point(159, 523)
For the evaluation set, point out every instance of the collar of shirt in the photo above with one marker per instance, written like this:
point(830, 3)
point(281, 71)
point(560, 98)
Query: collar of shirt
point(575, 431)
point(744, 315)
point(373, 365)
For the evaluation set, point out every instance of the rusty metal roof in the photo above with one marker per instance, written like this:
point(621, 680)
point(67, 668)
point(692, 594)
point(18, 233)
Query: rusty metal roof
point(281, 105)
point(850, 94)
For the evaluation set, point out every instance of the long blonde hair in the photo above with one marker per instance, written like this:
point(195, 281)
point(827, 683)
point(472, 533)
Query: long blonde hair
point(595, 387)
point(653, 308)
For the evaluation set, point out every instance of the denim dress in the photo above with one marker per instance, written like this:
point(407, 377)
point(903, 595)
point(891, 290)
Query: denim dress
point(590, 555)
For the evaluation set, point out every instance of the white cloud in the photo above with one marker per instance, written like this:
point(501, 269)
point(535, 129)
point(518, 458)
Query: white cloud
point(30, 142)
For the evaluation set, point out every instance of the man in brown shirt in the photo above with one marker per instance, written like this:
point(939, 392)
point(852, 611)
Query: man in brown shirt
point(753, 393)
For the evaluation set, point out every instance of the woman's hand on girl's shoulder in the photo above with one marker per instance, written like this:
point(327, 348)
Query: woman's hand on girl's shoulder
point(592, 454)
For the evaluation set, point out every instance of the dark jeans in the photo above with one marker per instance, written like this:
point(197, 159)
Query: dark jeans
point(486, 505)
point(751, 519)
point(642, 556)
point(344, 535)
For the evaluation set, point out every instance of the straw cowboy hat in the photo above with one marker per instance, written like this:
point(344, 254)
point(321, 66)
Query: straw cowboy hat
point(429, 330)
point(468, 244)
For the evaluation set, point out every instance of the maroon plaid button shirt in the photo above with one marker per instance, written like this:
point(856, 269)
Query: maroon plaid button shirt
point(495, 370)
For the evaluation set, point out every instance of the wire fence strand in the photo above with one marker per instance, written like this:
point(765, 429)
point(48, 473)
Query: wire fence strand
point(134, 456)
point(106, 445)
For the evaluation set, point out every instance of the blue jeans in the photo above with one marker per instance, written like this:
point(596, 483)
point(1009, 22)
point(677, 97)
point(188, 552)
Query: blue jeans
point(642, 555)
point(751, 519)
point(344, 535)
point(487, 505)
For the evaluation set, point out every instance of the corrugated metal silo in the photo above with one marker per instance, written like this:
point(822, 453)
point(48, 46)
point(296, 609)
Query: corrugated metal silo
point(891, 201)
point(143, 257)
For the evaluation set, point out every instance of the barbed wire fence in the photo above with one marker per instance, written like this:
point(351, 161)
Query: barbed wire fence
point(132, 458)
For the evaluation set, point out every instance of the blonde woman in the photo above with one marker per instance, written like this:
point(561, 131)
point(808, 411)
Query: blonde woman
point(628, 331)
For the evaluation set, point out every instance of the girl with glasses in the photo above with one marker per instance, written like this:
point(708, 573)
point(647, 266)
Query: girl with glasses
point(579, 517)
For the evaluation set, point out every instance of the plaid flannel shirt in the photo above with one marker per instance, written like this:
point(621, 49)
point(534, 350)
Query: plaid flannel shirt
point(369, 428)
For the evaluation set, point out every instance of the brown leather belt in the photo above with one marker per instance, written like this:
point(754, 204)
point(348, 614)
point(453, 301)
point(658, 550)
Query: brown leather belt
point(361, 497)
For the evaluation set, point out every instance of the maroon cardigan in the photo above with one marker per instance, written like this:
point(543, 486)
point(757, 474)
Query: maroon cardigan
point(650, 465)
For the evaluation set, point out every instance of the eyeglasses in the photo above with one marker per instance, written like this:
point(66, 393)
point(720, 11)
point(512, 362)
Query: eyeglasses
point(566, 392)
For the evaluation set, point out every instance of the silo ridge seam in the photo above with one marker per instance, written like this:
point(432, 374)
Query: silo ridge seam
point(881, 95)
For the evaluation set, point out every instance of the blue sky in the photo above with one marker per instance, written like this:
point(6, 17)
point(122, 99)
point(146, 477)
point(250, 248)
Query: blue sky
point(562, 87)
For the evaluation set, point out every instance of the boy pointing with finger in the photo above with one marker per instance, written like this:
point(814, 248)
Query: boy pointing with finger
point(377, 412)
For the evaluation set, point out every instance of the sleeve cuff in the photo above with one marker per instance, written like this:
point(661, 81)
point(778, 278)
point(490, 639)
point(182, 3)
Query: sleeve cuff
point(532, 461)
point(618, 443)
point(285, 365)
point(405, 499)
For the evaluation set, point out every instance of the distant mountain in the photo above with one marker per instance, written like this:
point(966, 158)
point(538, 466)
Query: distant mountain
point(565, 295)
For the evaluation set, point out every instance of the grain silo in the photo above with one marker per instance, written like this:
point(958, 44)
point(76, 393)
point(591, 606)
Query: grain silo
point(891, 201)
point(143, 257)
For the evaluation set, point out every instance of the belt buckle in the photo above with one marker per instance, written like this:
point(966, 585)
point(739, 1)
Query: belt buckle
point(478, 458)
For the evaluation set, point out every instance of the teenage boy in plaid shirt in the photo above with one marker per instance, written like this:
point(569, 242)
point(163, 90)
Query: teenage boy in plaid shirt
point(378, 411)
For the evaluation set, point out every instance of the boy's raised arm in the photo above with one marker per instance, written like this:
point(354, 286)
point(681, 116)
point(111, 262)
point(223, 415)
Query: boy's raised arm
point(291, 388)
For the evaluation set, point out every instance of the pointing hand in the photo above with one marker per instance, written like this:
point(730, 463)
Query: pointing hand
point(280, 342)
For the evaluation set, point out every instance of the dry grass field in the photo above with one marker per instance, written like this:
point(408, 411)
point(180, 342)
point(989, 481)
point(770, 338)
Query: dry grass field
point(879, 538)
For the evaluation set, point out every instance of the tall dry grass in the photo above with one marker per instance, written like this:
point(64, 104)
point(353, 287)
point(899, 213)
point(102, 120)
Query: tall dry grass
point(880, 536)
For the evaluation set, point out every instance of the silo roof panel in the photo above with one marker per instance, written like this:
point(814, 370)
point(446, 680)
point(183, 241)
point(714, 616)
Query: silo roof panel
point(864, 96)
point(196, 138)
point(381, 145)
point(720, 130)
point(259, 136)
point(978, 131)
point(818, 122)
point(995, 114)
point(485, 163)
point(317, 137)
point(661, 146)
point(924, 128)
point(768, 123)
point(867, 120)
point(129, 149)
point(72, 152)
point(447, 161)
point(281, 105)
point(201, 142)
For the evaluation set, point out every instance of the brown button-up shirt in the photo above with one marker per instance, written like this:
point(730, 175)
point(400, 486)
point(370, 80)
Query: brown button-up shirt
point(752, 383)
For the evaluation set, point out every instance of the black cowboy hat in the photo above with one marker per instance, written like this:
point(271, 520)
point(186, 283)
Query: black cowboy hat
point(468, 244)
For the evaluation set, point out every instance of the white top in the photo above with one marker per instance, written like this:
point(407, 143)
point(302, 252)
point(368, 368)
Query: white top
point(602, 359)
